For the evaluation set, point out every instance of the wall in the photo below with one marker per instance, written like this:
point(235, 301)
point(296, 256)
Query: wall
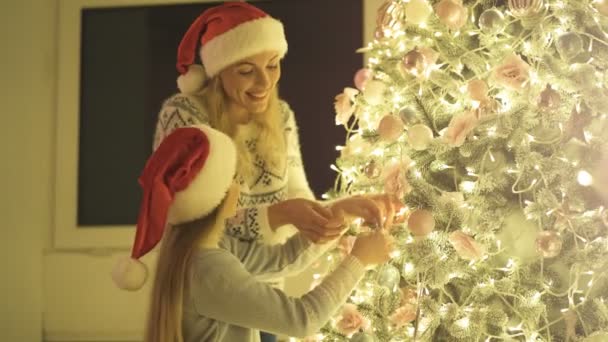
point(27, 67)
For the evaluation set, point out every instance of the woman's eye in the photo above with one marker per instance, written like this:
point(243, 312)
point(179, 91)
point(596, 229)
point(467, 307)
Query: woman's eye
point(245, 71)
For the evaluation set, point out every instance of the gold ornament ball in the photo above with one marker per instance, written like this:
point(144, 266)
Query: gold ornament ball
point(491, 21)
point(417, 12)
point(525, 8)
point(421, 222)
point(390, 128)
point(602, 7)
point(478, 90)
point(548, 244)
point(569, 45)
point(408, 116)
point(419, 137)
point(451, 13)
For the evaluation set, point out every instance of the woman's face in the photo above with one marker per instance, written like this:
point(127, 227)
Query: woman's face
point(249, 82)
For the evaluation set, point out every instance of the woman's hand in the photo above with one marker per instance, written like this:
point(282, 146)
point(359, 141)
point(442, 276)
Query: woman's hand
point(313, 220)
point(389, 205)
point(364, 207)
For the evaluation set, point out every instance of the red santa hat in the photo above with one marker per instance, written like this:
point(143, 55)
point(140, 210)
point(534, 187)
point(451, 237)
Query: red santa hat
point(227, 33)
point(185, 179)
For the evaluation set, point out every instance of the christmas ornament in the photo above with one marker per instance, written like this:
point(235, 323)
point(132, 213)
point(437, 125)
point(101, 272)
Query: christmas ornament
point(351, 320)
point(602, 7)
point(569, 45)
point(412, 62)
point(389, 16)
point(374, 92)
point(362, 76)
point(417, 12)
point(546, 133)
point(451, 13)
point(486, 107)
point(525, 8)
point(548, 244)
point(460, 127)
point(466, 247)
point(344, 106)
point(363, 337)
point(477, 90)
point(513, 73)
point(408, 116)
point(395, 182)
point(491, 21)
point(403, 315)
point(372, 170)
point(421, 223)
point(389, 277)
point(419, 137)
point(390, 128)
point(549, 98)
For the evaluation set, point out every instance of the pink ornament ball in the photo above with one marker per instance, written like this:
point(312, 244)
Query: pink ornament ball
point(421, 223)
point(361, 78)
point(390, 128)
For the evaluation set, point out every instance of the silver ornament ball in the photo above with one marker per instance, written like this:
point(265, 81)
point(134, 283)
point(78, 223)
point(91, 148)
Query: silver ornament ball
point(491, 21)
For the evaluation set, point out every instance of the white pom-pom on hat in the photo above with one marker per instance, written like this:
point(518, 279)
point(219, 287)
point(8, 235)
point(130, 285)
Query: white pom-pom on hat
point(129, 274)
point(193, 80)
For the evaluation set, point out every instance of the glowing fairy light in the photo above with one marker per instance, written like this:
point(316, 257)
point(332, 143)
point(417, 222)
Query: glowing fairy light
point(468, 186)
point(339, 148)
point(464, 322)
point(584, 178)
point(408, 267)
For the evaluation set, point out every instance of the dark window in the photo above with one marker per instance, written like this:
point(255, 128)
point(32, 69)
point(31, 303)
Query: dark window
point(128, 69)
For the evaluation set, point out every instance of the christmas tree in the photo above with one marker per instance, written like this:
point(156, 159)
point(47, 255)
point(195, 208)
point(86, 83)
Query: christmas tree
point(487, 118)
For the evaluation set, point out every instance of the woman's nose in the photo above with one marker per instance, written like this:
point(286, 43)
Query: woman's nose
point(263, 79)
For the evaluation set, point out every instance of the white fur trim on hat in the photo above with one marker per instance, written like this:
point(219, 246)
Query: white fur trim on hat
point(207, 189)
point(193, 80)
point(245, 40)
point(129, 274)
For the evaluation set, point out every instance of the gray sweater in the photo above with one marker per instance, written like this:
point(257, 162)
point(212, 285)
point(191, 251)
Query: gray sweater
point(227, 299)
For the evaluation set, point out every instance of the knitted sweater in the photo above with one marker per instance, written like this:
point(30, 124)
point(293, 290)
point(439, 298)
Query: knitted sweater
point(268, 187)
point(227, 300)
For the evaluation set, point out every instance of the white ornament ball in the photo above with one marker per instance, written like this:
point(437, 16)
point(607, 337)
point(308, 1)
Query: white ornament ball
point(374, 92)
point(421, 223)
point(389, 276)
point(569, 45)
point(451, 13)
point(419, 137)
point(417, 12)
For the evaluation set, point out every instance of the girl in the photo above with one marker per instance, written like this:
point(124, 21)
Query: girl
point(208, 285)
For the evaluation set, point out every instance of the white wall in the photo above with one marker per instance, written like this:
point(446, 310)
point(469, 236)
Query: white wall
point(49, 294)
point(27, 64)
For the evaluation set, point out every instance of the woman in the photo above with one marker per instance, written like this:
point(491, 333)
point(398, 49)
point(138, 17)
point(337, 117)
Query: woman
point(235, 91)
point(207, 284)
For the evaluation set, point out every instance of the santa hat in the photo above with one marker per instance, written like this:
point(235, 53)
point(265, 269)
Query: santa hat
point(185, 179)
point(228, 33)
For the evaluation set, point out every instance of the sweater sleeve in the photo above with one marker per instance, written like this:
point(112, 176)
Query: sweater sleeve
point(182, 110)
point(222, 289)
point(297, 183)
point(267, 262)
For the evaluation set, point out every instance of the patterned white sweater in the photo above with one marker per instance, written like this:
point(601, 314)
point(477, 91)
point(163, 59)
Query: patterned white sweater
point(268, 187)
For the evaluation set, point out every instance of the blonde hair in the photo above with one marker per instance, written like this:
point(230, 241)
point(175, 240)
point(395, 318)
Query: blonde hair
point(171, 278)
point(270, 144)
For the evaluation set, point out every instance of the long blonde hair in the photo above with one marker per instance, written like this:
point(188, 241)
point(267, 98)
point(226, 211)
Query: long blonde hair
point(171, 278)
point(270, 144)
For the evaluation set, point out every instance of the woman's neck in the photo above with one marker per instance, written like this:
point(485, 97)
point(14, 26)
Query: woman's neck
point(238, 115)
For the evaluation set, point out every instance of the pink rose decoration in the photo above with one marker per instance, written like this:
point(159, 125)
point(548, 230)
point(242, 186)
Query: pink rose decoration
point(466, 246)
point(395, 182)
point(513, 73)
point(351, 320)
point(403, 315)
point(460, 127)
point(345, 244)
point(343, 105)
point(408, 296)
